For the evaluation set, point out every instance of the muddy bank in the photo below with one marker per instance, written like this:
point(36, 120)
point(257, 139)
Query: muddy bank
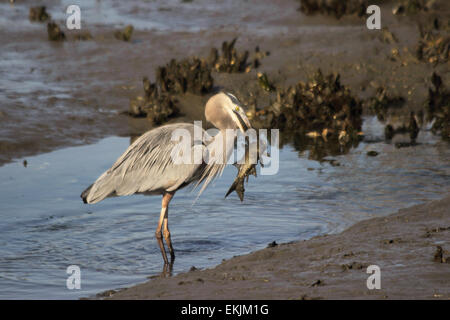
point(410, 247)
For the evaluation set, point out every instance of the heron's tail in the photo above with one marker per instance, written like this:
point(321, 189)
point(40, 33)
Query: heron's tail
point(85, 193)
point(102, 188)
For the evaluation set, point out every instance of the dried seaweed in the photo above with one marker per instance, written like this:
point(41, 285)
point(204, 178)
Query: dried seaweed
point(336, 8)
point(125, 34)
point(155, 105)
point(39, 14)
point(230, 60)
point(54, 32)
point(433, 47)
point(189, 75)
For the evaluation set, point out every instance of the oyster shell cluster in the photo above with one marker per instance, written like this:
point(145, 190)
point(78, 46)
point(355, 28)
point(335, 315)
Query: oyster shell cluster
point(322, 107)
point(438, 107)
point(336, 8)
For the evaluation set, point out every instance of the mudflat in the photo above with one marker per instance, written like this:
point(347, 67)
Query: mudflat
point(58, 94)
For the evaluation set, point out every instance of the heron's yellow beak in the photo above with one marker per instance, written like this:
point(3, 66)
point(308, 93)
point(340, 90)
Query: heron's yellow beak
point(242, 120)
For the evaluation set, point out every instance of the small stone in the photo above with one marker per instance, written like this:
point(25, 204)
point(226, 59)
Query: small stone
point(318, 283)
point(272, 244)
point(125, 34)
point(439, 255)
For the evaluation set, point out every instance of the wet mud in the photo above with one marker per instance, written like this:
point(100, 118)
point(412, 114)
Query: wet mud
point(329, 266)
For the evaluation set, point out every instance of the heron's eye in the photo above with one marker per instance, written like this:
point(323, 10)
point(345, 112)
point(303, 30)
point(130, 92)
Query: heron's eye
point(237, 108)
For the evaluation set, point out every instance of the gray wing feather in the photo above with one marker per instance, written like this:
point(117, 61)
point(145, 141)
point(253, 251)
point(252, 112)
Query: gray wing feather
point(146, 167)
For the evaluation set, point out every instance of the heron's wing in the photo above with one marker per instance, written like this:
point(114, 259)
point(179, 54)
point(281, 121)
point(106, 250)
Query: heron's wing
point(146, 166)
point(218, 151)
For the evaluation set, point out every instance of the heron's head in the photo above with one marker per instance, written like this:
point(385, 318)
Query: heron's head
point(224, 111)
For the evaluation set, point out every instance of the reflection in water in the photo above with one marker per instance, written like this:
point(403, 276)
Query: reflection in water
point(318, 148)
point(45, 226)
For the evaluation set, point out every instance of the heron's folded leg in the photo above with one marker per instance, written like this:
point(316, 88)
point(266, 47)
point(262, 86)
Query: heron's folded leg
point(166, 199)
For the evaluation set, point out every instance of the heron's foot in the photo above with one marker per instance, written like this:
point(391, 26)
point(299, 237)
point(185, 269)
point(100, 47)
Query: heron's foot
point(172, 255)
point(167, 270)
point(159, 239)
point(169, 244)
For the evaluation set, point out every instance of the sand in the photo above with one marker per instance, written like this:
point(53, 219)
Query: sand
point(403, 245)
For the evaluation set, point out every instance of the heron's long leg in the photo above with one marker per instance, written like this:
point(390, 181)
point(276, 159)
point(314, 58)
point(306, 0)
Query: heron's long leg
point(163, 218)
point(159, 235)
point(166, 234)
point(167, 197)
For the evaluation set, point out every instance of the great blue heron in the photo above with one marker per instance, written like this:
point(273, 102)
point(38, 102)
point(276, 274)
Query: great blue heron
point(147, 165)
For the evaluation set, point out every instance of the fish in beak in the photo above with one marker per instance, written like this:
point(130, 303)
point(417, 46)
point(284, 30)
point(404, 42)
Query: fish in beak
point(248, 168)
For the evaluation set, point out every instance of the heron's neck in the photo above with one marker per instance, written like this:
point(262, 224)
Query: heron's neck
point(221, 147)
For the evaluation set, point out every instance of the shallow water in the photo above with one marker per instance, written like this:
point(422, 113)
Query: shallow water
point(45, 227)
